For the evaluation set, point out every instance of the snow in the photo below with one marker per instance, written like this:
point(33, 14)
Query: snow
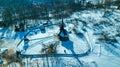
point(100, 54)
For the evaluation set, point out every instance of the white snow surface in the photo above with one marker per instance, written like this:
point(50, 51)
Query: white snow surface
point(98, 57)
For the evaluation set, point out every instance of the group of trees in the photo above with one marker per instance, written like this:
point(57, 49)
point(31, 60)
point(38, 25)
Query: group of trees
point(14, 14)
point(7, 16)
point(20, 14)
point(118, 3)
point(11, 57)
point(98, 3)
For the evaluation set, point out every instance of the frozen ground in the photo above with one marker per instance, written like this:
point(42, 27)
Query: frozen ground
point(82, 41)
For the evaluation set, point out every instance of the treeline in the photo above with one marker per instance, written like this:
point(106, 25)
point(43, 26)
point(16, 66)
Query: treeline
point(97, 4)
point(13, 3)
point(20, 14)
point(19, 11)
point(12, 15)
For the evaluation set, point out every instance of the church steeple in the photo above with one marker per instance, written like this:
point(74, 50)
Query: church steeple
point(63, 34)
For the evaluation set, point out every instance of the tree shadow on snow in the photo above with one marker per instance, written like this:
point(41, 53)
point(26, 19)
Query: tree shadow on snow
point(69, 45)
point(19, 35)
point(81, 36)
point(3, 32)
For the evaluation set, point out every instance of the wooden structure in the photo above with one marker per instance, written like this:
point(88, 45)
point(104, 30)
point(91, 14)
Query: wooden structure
point(63, 34)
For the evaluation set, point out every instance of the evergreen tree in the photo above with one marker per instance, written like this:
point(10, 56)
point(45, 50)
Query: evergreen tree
point(7, 17)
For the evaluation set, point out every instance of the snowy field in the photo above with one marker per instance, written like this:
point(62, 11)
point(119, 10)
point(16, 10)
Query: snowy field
point(84, 29)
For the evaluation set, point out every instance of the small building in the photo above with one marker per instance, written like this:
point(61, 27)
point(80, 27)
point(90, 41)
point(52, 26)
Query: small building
point(42, 28)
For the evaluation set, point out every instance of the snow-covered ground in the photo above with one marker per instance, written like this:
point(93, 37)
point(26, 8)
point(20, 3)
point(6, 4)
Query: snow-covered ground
point(82, 41)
